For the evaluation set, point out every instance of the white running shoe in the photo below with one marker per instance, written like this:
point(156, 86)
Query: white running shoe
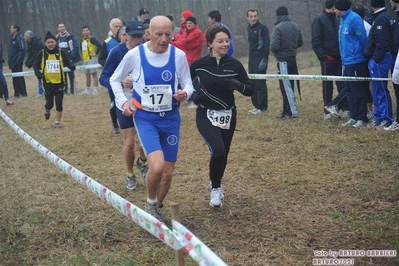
point(95, 92)
point(333, 110)
point(216, 197)
point(350, 122)
point(393, 127)
point(86, 91)
point(359, 123)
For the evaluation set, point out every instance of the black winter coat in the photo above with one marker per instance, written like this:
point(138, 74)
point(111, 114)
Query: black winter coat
point(34, 47)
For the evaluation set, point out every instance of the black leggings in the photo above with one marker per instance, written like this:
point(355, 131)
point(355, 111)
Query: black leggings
point(218, 141)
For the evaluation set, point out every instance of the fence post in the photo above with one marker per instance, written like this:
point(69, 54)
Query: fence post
point(176, 216)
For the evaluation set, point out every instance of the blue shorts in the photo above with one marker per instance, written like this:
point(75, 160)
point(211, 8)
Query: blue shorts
point(124, 121)
point(157, 132)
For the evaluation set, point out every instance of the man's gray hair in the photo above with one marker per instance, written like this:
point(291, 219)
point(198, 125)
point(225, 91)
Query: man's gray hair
point(29, 33)
point(113, 20)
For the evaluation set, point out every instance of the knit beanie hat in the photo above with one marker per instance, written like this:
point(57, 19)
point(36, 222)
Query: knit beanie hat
point(187, 13)
point(49, 36)
point(192, 19)
point(342, 5)
point(377, 3)
point(281, 11)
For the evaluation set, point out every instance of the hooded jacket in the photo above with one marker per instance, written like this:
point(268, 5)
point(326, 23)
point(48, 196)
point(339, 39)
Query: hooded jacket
point(191, 43)
point(33, 48)
point(286, 39)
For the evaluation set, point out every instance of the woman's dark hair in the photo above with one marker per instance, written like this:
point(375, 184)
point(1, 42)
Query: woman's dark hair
point(213, 30)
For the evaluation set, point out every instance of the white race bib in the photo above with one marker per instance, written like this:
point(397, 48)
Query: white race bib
point(84, 46)
point(157, 98)
point(53, 66)
point(63, 45)
point(219, 118)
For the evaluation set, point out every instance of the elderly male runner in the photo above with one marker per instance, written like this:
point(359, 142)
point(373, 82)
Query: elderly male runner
point(156, 69)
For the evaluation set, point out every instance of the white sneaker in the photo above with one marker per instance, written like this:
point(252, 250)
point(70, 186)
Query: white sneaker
point(38, 96)
point(393, 127)
point(359, 123)
point(257, 111)
point(95, 92)
point(252, 110)
point(345, 114)
point(216, 197)
point(327, 116)
point(350, 122)
point(86, 91)
point(333, 110)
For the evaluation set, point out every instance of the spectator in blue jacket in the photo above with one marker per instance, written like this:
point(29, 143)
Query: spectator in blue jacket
point(16, 55)
point(352, 39)
point(68, 43)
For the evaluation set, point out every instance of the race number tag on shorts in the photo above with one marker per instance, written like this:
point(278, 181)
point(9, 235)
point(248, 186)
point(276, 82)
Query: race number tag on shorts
point(53, 66)
point(157, 98)
point(219, 118)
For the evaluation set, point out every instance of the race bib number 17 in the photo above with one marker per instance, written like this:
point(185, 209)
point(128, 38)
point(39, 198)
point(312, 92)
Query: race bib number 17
point(157, 98)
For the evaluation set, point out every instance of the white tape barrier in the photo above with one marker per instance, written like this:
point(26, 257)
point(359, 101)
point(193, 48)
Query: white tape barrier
point(32, 73)
point(176, 240)
point(313, 77)
point(203, 255)
point(251, 76)
point(137, 215)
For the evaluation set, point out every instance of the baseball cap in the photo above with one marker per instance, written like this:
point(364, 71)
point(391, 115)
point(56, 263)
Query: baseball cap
point(143, 11)
point(134, 27)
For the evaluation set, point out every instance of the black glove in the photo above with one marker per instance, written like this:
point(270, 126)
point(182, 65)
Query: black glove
point(233, 84)
point(196, 97)
point(39, 75)
point(262, 65)
point(72, 67)
point(2, 61)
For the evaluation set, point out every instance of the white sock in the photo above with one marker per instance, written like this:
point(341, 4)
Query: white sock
point(152, 202)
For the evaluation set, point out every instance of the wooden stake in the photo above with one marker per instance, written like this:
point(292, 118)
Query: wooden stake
point(176, 216)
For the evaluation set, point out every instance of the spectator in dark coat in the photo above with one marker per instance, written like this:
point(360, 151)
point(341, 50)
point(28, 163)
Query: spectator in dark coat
point(34, 46)
point(16, 55)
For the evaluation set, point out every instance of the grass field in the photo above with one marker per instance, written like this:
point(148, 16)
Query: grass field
point(291, 187)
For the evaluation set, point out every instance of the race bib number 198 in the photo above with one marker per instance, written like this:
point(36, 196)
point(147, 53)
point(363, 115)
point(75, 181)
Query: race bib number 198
point(219, 118)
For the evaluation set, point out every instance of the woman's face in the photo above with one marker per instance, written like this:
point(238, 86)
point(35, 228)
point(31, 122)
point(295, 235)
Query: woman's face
point(123, 37)
point(220, 45)
point(190, 25)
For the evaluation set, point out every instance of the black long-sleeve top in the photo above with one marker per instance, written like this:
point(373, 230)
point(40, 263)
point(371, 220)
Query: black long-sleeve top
point(212, 74)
